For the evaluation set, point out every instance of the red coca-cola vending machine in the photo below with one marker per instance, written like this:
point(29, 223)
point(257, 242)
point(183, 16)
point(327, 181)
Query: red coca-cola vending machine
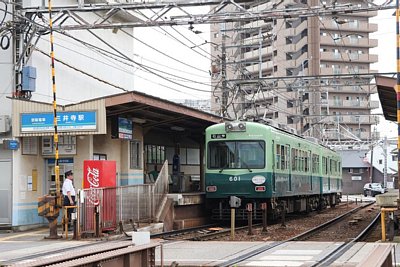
point(99, 182)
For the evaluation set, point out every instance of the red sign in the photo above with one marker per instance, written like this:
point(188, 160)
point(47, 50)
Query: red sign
point(100, 174)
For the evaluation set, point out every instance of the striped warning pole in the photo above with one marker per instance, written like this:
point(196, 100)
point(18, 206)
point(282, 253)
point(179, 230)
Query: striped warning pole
point(53, 77)
point(53, 216)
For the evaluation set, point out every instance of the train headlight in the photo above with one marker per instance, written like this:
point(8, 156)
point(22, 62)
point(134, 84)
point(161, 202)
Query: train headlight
point(235, 126)
point(258, 179)
point(211, 188)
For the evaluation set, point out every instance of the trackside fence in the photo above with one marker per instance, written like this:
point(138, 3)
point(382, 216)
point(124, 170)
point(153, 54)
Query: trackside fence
point(126, 204)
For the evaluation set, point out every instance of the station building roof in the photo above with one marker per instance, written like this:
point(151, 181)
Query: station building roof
point(154, 113)
point(387, 96)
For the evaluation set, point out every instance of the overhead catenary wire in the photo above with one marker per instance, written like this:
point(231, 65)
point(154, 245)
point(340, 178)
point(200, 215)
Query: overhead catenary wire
point(99, 79)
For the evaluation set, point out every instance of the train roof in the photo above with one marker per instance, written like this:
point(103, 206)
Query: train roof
point(282, 129)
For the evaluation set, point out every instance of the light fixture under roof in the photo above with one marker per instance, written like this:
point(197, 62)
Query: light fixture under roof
point(177, 128)
point(139, 120)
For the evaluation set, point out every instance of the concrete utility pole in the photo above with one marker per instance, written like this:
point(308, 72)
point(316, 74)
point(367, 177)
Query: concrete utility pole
point(225, 93)
point(385, 154)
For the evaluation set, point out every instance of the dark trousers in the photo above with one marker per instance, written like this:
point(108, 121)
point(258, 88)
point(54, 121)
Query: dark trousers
point(67, 203)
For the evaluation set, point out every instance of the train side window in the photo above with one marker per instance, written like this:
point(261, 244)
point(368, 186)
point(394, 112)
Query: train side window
point(307, 160)
point(315, 163)
point(293, 159)
point(324, 166)
point(284, 158)
point(278, 156)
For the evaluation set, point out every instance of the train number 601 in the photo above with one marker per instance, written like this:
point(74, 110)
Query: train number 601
point(234, 178)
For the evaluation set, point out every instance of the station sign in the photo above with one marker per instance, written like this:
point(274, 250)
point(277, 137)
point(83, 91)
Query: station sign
point(10, 144)
point(66, 121)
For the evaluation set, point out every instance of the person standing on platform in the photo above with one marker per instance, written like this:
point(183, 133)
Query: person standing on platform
point(68, 191)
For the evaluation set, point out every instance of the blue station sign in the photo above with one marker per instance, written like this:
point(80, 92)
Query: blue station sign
point(66, 121)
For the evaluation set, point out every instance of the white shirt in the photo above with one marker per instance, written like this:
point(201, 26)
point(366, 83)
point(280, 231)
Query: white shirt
point(68, 187)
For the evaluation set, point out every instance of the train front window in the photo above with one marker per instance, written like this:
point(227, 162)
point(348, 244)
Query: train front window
point(236, 155)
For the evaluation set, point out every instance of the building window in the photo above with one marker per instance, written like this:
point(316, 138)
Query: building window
point(97, 156)
point(380, 161)
point(135, 155)
point(155, 154)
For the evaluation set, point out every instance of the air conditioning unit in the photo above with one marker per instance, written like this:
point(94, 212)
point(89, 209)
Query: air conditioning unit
point(4, 123)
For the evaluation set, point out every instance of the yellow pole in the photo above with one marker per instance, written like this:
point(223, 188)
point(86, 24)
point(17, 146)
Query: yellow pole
point(232, 224)
point(383, 226)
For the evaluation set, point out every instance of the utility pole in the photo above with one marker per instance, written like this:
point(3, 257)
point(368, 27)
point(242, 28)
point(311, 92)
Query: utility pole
point(224, 100)
point(371, 167)
point(385, 145)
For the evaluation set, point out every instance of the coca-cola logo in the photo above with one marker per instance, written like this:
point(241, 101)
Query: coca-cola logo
point(92, 177)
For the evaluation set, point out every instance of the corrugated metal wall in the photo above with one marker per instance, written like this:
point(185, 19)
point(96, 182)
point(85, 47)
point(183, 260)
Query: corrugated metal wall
point(23, 106)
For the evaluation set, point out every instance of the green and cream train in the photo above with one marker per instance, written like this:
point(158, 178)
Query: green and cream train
point(257, 163)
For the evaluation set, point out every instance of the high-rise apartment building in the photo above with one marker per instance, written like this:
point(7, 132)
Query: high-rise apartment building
point(309, 72)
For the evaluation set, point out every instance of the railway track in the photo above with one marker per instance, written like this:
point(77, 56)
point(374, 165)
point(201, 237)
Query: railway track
point(215, 231)
point(108, 253)
point(328, 259)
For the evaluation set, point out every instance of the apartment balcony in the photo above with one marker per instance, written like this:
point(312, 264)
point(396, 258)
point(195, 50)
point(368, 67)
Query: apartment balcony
point(353, 104)
point(252, 41)
point(257, 24)
point(295, 30)
point(351, 26)
point(332, 71)
point(348, 42)
point(255, 54)
point(295, 47)
point(355, 89)
point(365, 14)
point(353, 57)
point(260, 112)
point(265, 67)
point(356, 119)
point(334, 135)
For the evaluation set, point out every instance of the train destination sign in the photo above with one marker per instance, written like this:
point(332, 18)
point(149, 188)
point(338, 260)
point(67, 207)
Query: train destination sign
point(66, 121)
point(218, 136)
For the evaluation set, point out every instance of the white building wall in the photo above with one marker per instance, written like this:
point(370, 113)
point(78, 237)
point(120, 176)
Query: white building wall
point(83, 73)
point(378, 158)
point(25, 201)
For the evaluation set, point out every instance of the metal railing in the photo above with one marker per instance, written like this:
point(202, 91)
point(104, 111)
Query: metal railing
point(126, 204)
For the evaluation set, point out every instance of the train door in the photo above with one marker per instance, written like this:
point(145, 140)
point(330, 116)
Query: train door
point(310, 169)
point(288, 167)
point(328, 163)
point(273, 167)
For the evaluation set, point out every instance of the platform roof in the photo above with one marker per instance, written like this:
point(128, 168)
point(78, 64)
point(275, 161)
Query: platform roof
point(387, 96)
point(154, 113)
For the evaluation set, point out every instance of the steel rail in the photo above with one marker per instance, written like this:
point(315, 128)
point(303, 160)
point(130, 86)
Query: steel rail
point(278, 243)
point(340, 250)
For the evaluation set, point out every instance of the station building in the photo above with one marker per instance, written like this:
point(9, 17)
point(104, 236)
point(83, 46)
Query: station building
point(136, 130)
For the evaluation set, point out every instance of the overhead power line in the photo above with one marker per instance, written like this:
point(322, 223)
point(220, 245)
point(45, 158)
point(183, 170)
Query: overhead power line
point(162, 10)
